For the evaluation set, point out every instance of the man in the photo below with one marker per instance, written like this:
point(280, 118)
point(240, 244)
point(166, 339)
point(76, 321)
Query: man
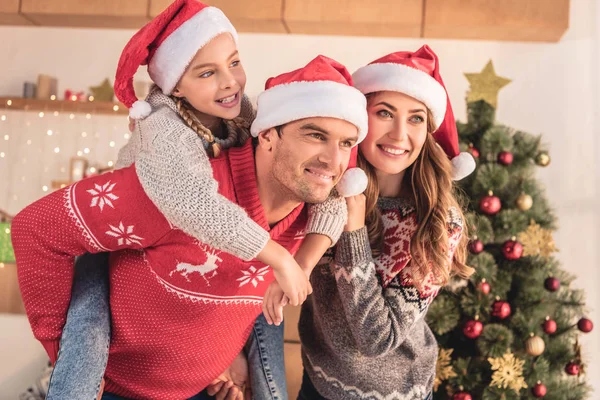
point(166, 325)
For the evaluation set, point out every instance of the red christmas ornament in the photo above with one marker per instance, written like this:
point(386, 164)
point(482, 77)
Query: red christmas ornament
point(512, 249)
point(473, 329)
point(490, 204)
point(501, 309)
point(552, 284)
point(474, 151)
point(550, 326)
point(485, 287)
point(585, 325)
point(461, 396)
point(539, 390)
point(505, 157)
point(572, 369)
point(475, 246)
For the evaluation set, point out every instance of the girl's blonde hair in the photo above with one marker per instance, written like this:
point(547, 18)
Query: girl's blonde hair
point(430, 181)
point(238, 125)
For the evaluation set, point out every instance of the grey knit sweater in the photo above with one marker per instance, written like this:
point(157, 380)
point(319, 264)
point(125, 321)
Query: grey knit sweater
point(174, 169)
point(362, 330)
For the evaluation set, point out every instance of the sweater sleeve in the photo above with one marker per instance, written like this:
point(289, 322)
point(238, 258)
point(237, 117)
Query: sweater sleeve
point(176, 173)
point(380, 318)
point(107, 212)
point(328, 218)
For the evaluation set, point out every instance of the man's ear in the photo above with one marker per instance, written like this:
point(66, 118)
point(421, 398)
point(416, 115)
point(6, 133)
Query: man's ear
point(266, 139)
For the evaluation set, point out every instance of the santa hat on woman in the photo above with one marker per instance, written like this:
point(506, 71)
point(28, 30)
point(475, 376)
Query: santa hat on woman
point(417, 75)
point(167, 44)
point(323, 88)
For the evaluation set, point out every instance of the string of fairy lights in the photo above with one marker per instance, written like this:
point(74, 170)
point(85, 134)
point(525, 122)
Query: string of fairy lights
point(41, 150)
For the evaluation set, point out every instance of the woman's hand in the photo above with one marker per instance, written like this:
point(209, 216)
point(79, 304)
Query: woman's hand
point(357, 206)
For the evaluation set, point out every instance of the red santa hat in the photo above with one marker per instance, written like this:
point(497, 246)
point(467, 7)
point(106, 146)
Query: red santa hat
point(323, 88)
point(167, 44)
point(417, 75)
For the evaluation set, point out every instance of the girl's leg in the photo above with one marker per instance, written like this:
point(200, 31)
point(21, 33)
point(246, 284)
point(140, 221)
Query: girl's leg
point(83, 352)
point(265, 361)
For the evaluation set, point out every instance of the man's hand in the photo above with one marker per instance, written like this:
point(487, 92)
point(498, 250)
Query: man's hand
point(233, 383)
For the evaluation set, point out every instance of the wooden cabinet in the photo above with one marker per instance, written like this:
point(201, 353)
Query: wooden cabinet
point(9, 13)
point(518, 20)
point(246, 16)
point(393, 18)
point(87, 13)
point(515, 20)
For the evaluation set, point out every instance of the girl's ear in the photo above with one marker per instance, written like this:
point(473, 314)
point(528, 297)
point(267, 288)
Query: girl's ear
point(177, 92)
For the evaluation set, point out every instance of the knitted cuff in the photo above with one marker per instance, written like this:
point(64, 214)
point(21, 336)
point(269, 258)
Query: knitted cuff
point(251, 240)
point(329, 225)
point(353, 248)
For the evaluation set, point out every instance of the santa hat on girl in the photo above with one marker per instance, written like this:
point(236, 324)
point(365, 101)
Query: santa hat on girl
point(417, 75)
point(168, 44)
point(323, 88)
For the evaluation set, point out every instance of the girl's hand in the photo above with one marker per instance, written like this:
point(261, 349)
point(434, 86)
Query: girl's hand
point(357, 206)
point(273, 304)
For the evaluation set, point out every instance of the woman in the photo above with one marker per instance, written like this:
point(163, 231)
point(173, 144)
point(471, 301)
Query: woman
point(363, 331)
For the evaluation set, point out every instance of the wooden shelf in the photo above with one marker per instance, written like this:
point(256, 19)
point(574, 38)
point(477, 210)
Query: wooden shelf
point(82, 107)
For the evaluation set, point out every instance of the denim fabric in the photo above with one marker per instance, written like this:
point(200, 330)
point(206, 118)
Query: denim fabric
point(85, 340)
point(265, 361)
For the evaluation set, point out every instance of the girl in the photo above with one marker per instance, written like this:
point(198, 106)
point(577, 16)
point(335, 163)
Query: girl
point(171, 163)
point(363, 331)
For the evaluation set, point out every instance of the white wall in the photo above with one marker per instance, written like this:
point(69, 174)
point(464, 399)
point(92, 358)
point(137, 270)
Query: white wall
point(554, 92)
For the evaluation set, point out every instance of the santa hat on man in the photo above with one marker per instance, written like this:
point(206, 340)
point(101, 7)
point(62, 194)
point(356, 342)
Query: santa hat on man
point(167, 44)
point(323, 88)
point(417, 75)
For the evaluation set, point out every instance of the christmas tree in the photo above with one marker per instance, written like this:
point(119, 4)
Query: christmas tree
point(510, 331)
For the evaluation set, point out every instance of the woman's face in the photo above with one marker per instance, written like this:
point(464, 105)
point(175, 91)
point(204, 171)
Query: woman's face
point(397, 131)
point(214, 81)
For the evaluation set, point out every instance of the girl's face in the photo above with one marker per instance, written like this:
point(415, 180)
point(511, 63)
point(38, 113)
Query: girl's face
point(397, 132)
point(214, 81)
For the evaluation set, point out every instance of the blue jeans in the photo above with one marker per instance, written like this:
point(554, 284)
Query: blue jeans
point(85, 341)
point(265, 361)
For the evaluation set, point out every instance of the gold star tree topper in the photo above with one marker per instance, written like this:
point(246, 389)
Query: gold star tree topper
point(103, 92)
point(486, 85)
point(508, 372)
point(443, 368)
point(537, 241)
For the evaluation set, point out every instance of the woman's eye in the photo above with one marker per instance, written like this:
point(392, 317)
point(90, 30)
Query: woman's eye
point(384, 113)
point(417, 119)
point(235, 63)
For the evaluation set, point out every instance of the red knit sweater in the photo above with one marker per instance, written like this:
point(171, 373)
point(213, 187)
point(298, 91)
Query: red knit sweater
point(181, 311)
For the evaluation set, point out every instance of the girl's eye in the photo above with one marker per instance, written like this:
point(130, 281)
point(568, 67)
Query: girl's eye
point(235, 63)
point(206, 74)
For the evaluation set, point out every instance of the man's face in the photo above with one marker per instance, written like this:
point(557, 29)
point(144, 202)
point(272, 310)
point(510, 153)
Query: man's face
point(310, 155)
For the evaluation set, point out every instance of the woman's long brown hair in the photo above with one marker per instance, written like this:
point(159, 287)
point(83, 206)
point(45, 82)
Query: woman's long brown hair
point(433, 192)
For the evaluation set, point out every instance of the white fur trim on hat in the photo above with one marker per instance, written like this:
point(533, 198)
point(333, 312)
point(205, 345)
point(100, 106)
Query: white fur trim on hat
point(297, 100)
point(463, 164)
point(401, 78)
point(176, 52)
point(353, 182)
point(140, 110)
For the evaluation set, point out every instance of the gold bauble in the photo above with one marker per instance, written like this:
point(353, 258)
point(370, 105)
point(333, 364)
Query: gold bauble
point(534, 346)
point(524, 202)
point(542, 159)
